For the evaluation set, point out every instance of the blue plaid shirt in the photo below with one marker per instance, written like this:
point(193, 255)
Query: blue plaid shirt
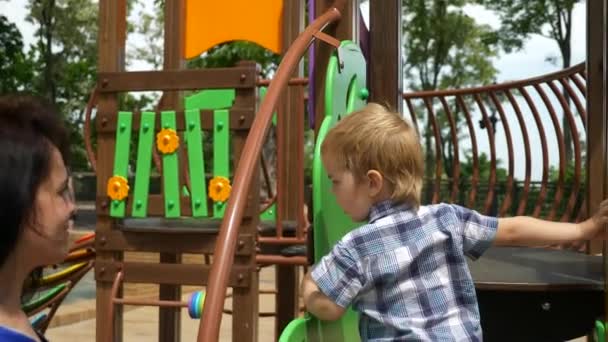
point(405, 272)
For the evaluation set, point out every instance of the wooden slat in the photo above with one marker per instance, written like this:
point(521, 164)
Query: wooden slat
point(213, 78)
point(191, 242)
point(144, 160)
point(196, 164)
point(170, 171)
point(221, 152)
point(240, 119)
point(170, 274)
point(121, 158)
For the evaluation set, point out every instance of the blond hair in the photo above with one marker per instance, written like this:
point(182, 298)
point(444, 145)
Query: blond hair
point(375, 138)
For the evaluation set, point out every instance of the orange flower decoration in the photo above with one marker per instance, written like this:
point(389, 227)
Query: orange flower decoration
point(219, 189)
point(118, 188)
point(167, 140)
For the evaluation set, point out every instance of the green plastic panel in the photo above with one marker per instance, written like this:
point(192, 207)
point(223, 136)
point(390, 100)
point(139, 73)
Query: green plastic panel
point(345, 91)
point(295, 331)
point(170, 171)
point(121, 157)
point(144, 160)
point(270, 214)
point(211, 99)
point(221, 152)
point(196, 163)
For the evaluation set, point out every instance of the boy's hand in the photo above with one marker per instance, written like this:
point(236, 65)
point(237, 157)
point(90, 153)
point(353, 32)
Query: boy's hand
point(593, 227)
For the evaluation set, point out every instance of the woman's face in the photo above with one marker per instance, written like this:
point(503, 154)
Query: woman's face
point(47, 232)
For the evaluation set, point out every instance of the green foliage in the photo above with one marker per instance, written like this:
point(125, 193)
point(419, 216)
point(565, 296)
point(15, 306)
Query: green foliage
point(444, 47)
point(522, 18)
point(229, 54)
point(15, 67)
point(64, 58)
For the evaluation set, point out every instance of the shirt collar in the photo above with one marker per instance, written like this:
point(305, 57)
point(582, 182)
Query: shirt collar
point(385, 208)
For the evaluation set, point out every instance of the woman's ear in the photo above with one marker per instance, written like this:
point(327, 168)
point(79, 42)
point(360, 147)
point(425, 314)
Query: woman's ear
point(376, 182)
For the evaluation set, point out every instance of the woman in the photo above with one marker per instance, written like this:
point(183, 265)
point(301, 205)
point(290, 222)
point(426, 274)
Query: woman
point(36, 205)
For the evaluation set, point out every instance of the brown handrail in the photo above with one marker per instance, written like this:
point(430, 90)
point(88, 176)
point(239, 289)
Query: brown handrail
point(226, 241)
point(579, 68)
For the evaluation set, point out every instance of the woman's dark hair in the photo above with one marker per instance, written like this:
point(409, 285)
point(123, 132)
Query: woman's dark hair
point(29, 126)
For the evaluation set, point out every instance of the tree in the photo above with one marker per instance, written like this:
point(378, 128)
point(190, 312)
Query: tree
point(551, 19)
point(445, 48)
point(65, 60)
point(15, 67)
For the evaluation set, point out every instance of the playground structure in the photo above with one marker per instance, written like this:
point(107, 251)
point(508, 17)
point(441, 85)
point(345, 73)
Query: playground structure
point(175, 221)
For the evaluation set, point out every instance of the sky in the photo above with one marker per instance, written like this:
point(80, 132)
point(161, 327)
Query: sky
point(528, 62)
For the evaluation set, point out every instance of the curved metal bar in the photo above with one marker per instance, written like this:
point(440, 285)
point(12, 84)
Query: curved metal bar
point(114, 295)
point(497, 87)
point(543, 143)
point(226, 241)
point(577, 102)
point(580, 85)
point(438, 150)
point(492, 178)
point(87, 130)
point(577, 152)
point(456, 161)
point(524, 132)
point(562, 154)
point(475, 176)
point(408, 102)
point(503, 118)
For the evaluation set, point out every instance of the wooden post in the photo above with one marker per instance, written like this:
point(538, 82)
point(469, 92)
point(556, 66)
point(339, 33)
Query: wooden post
point(245, 300)
point(111, 44)
point(345, 29)
point(289, 206)
point(169, 328)
point(386, 79)
point(596, 118)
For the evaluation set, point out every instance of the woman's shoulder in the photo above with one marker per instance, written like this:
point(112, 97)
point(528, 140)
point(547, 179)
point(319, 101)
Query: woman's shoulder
point(9, 334)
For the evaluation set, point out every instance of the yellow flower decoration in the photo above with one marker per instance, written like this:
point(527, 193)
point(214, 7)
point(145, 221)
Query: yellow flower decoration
point(118, 188)
point(219, 189)
point(167, 140)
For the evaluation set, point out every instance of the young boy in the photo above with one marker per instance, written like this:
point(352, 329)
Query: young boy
point(405, 270)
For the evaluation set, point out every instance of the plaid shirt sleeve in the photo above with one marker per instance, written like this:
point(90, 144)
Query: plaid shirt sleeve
point(478, 231)
point(338, 275)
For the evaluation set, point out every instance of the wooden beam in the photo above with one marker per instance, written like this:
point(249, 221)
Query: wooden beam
point(385, 63)
point(170, 79)
point(245, 318)
point(290, 136)
point(111, 47)
point(596, 118)
point(167, 274)
point(166, 241)
point(239, 120)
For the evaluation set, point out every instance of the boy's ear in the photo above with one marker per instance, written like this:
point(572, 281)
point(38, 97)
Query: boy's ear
point(376, 181)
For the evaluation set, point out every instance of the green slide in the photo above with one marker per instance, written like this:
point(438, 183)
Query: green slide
point(345, 92)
